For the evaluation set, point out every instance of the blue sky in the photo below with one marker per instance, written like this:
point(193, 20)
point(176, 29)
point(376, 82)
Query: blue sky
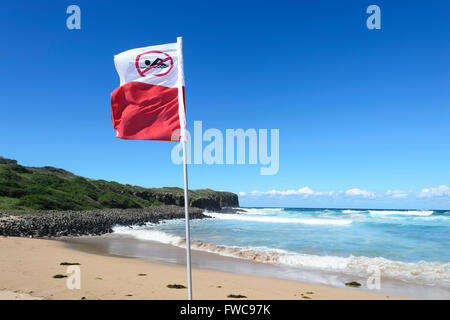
point(357, 109)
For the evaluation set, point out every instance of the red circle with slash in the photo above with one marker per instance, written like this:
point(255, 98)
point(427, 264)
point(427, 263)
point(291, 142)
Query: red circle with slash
point(143, 72)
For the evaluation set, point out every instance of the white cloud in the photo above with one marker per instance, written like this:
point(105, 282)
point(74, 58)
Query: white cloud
point(441, 191)
point(356, 192)
point(397, 194)
point(305, 192)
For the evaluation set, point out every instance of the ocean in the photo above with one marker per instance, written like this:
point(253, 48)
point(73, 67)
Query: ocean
point(404, 246)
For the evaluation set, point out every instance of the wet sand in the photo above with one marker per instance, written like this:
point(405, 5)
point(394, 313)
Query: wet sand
point(28, 267)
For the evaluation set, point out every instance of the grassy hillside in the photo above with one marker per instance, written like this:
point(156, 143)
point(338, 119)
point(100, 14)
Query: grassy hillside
point(48, 188)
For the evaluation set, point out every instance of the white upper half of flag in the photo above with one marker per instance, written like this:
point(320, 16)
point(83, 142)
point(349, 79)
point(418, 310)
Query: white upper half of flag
point(157, 65)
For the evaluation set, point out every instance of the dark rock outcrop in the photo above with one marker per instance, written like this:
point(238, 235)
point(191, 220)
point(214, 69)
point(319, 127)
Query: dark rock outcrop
point(218, 200)
point(7, 161)
point(92, 222)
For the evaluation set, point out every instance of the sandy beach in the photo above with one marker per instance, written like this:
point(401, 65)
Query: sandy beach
point(27, 268)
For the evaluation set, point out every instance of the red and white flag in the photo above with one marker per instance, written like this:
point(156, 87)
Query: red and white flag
point(149, 104)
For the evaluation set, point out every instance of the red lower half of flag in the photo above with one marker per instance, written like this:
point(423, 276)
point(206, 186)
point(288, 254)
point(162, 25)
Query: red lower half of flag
point(142, 111)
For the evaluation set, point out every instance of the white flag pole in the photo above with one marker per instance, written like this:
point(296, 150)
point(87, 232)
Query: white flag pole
point(182, 115)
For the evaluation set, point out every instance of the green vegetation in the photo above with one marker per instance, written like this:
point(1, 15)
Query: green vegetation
point(48, 188)
point(54, 189)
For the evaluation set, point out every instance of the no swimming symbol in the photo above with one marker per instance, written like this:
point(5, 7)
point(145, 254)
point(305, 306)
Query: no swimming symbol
point(154, 63)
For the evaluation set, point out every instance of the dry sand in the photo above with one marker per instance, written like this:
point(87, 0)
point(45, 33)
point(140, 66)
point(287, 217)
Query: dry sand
point(27, 267)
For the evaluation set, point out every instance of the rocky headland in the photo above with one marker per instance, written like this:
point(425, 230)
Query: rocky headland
point(53, 202)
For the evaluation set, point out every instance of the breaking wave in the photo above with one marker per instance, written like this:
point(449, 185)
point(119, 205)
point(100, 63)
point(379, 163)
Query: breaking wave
point(392, 212)
point(258, 211)
point(428, 273)
point(313, 221)
point(352, 211)
point(406, 213)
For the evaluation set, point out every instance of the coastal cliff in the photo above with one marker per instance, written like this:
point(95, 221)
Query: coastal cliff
point(201, 198)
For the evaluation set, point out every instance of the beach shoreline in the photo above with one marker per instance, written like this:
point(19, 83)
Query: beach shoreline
point(28, 267)
point(116, 244)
